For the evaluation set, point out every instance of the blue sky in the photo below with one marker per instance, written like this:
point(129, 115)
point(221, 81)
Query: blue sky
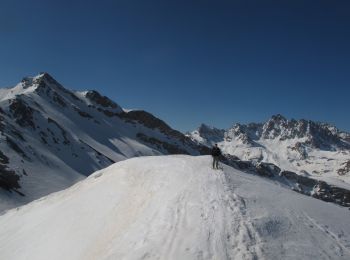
point(189, 62)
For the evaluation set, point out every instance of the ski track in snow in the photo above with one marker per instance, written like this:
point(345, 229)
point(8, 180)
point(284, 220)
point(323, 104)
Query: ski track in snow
point(211, 218)
point(175, 207)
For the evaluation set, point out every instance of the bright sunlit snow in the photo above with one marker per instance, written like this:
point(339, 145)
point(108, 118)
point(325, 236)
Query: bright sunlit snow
point(175, 207)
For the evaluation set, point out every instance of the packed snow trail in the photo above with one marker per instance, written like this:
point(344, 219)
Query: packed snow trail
point(175, 207)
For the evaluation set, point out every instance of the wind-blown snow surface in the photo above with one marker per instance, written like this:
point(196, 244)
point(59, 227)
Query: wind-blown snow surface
point(175, 207)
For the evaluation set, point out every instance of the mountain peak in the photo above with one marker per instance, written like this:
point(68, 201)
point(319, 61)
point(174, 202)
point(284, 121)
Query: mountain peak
point(205, 127)
point(47, 79)
point(44, 75)
point(278, 117)
point(40, 81)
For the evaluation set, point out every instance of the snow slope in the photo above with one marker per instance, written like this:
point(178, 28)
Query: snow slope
point(52, 137)
point(175, 207)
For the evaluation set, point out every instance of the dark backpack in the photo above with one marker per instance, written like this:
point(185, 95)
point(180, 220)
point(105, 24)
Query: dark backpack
point(215, 151)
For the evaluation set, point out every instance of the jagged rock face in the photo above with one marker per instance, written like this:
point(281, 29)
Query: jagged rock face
point(98, 99)
point(151, 122)
point(321, 137)
point(267, 169)
point(162, 145)
point(274, 127)
point(315, 135)
point(46, 85)
point(22, 112)
point(246, 134)
point(345, 169)
point(331, 193)
point(9, 180)
point(300, 148)
point(210, 133)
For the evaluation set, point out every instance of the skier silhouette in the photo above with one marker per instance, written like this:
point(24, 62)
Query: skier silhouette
point(216, 152)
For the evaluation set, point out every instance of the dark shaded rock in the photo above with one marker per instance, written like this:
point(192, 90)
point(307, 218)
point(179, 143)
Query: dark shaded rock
point(170, 148)
point(103, 101)
point(9, 180)
point(211, 133)
point(332, 193)
point(17, 134)
point(44, 76)
point(237, 163)
point(43, 140)
point(47, 84)
point(299, 147)
point(22, 112)
point(97, 152)
point(289, 175)
point(267, 169)
point(245, 133)
point(152, 122)
point(38, 106)
point(318, 189)
point(345, 169)
point(302, 180)
point(82, 113)
point(3, 158)
point(107, 112)
point(232, 157)
point(63, 132)
point(273, 127)
point(243, 165)
point(12, 144)
point(58, 99)
point(26, 82)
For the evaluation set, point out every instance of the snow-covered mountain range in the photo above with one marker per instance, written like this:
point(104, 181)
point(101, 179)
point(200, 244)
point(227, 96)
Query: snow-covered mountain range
point(163, 207)
point(303, 146)
point(175, 207)
point(52, 137)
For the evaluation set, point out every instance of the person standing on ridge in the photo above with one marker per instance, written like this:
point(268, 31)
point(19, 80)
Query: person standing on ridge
point(216, 153)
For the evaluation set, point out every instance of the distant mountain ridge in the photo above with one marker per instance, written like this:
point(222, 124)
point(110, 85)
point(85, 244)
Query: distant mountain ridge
point(300, 145)
point(317, 135)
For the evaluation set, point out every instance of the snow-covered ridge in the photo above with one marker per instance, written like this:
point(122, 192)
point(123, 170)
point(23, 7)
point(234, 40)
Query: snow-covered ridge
point(52, 137)
point(303, 146)
point(175, 207)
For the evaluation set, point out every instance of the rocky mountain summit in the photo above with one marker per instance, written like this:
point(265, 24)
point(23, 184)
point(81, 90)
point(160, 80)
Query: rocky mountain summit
point(52, 137)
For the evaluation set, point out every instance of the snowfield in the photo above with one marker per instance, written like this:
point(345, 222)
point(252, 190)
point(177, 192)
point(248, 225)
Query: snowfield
point(175, 207)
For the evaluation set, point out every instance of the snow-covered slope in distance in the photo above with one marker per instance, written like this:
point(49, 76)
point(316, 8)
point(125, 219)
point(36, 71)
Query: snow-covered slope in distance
point(306, 147)
point(175, 207)
point(52, 137)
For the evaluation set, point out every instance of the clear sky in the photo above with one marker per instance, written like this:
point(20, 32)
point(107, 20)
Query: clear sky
point(188, 62)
